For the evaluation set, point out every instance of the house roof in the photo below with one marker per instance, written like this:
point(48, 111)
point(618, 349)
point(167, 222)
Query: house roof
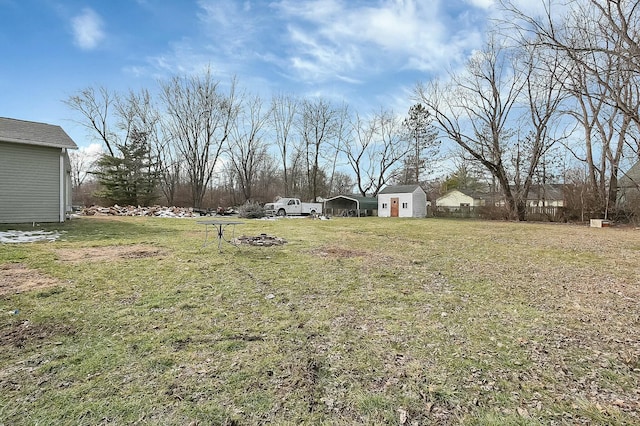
point(32, 133)
point(399, 189)
point(630, 178)
point(548, 191)
point(469, 193)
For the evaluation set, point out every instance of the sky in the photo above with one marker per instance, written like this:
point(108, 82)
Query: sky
point(367, 53)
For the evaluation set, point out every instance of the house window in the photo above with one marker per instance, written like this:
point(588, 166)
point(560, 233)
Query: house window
point(465, 205)
point(405, 205)
point(384, 205)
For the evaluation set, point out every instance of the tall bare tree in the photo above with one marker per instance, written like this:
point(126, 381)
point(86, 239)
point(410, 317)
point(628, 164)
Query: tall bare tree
point(600, 43)
point(376, 149)
point(199, 117)
point(590, 33)
point(541, 100)
point(333, 150)
point(359, 152)
point(283, 117)
point(474, 110)
point(318, 125)
point(247, 147)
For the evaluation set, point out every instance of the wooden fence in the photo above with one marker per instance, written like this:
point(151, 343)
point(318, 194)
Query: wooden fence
point(534, 213)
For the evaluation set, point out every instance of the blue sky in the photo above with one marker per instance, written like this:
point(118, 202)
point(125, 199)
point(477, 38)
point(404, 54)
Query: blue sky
point(367, 53)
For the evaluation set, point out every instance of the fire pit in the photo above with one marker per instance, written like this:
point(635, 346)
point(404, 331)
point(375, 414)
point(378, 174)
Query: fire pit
point(262, 240)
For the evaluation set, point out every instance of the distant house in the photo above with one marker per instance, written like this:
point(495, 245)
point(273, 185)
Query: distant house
point(350, 205)
point(629, 187)
point(457, 198)
point(402, 201)
point(35, 172)
point(546, 195)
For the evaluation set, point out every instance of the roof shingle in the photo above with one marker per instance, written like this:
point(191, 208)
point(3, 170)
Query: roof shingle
point(33, 133)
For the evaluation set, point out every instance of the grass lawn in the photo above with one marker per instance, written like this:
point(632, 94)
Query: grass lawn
point(353, 321)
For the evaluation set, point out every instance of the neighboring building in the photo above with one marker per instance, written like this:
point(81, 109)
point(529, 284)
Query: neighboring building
point(546, 195)
point(35, 172)
point(402, 201)
point(351, 205)
point(457, 198)
point(629, 188)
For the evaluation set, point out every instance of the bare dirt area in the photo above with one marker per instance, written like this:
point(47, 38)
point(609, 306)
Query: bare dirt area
point(18, 278)
point(109, 253)
point(338, 252)
point(25, 332)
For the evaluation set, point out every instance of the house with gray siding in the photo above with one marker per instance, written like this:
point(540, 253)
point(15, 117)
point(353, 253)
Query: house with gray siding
point(629, 188)
point(35, 172)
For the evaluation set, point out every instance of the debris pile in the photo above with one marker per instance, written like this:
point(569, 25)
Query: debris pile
point(263, 240)
point(157, 211)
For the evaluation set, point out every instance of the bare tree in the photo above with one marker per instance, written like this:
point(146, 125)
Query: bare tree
point(283, 115)
point(247, 147)
point(95, 108)
point(199, 118)
point(606, 134)
point(541, 98)
point(318, 126)
point(474, 110)
point(359, 152)
point(81, 165)
point(170, 163)
point(333, 150)
point(375, 150)
point(593, 34)
point(599, 41)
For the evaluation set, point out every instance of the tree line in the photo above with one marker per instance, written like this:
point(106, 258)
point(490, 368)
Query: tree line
point(195, 134)
point(552, 96)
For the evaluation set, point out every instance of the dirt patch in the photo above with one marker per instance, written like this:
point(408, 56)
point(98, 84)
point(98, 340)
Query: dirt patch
point(109, 253)
point(18, 278)
point(338, 252)
point(24, 333)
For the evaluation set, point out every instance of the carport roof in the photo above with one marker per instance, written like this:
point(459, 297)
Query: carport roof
point(364, 203)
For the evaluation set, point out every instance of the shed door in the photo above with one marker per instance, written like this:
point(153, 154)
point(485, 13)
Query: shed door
point(394, 207)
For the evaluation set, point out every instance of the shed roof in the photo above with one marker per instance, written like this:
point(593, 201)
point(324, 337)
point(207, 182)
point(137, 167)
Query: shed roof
point(33, 133)
point(400, 189)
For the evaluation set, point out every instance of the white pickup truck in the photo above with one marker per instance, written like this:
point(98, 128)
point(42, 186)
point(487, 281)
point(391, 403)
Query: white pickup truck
point(292, 207)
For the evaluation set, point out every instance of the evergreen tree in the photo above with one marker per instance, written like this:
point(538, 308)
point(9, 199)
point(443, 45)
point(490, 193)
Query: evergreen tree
point(424, 145)
point(129, 178)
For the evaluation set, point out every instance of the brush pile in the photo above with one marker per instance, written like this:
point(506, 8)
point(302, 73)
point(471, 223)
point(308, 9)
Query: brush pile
point(157, 211)
point(262, 240)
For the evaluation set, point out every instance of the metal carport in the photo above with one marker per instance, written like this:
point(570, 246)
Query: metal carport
point(351, 205)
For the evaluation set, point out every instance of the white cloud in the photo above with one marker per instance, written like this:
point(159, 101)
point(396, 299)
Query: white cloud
point(92, 152)
point(340, 36)
point(483, 4)
point(339, 46)
point(88, 29)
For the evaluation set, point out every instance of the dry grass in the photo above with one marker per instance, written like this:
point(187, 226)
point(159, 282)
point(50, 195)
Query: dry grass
point(353, 321)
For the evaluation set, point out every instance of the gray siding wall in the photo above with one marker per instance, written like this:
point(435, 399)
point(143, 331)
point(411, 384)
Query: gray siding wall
point(29, 183)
